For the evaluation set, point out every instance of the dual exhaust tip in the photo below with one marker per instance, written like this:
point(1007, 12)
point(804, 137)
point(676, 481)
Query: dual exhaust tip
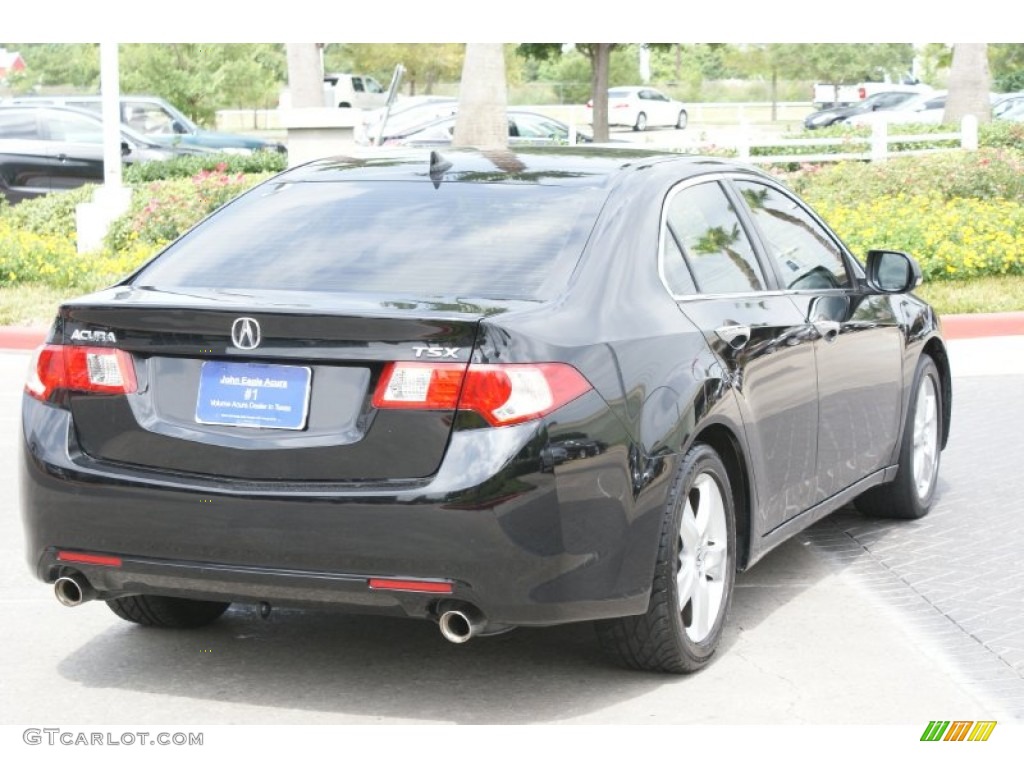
point(459, 623)
point(73, 590)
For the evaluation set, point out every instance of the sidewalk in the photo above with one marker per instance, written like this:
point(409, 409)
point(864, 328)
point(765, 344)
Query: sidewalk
point(953, 327)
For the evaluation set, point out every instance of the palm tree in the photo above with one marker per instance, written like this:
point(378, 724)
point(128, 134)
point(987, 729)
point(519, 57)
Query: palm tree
point(483, 98)
point(969, 84)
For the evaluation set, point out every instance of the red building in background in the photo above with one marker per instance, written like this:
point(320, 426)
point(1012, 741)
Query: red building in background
point(10, 61)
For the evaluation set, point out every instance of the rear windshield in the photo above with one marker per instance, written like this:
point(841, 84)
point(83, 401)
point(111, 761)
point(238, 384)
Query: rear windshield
point(504, 241)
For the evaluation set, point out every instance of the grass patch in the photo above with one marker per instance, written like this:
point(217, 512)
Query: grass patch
point(33, 305)
point(979, 294)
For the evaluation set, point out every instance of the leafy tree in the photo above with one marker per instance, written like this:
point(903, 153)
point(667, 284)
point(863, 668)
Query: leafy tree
point(1007, 65)
point(71, 64)
point(599, 55)
point(200, 78)
point(425, 64)
point(571, 71)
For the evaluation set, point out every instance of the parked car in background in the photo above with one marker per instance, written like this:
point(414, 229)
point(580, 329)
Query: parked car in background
point(882, 101)
point(161, 122)
point(342, 89)
point(524, 129)
point(826, 95)
point(640, 108)
point(46, 149)
point(1013, 112)
point(1007, 103)
point(927, 108)
point(404, 115)
point(528, 388)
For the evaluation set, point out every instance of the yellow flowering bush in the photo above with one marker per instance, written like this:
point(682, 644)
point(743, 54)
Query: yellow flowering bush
point(950, 238)
point(26, 257)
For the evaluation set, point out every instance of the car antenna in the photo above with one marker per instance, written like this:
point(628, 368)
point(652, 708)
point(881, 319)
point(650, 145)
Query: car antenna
point(438, 165)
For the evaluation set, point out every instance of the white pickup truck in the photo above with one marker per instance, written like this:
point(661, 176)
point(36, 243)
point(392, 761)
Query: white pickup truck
point(827, 94)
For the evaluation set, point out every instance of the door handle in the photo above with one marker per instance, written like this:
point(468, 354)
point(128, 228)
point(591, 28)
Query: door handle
point(736, 336)
point(827, 329)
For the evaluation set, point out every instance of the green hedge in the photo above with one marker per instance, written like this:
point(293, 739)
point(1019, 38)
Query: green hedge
point(187, 166)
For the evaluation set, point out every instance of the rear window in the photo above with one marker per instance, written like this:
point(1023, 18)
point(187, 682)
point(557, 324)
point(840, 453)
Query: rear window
point(515, 241)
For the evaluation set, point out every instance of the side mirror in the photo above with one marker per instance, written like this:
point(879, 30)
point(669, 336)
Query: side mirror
point(177, 127)
point(126, 148)
point(892, 272)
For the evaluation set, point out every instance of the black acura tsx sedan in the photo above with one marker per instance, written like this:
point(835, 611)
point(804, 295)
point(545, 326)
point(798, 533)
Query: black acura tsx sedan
point(489, 389)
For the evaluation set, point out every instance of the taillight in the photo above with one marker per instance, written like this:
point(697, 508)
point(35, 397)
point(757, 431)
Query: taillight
point(862, 93)
point(80, 369)
point(501, 394)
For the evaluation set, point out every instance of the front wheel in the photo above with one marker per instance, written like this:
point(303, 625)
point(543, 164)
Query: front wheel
point(693, 577)
point(641, 122)
point(910, 494)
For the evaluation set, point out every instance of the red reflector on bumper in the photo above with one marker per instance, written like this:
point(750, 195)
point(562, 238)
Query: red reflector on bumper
point(86, 559)
point(405, 585)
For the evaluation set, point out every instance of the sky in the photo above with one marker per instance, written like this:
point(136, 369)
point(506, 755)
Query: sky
point(517, 21)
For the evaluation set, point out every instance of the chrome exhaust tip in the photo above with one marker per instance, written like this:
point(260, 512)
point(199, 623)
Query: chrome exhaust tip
point(462, 624)
point(73, 590)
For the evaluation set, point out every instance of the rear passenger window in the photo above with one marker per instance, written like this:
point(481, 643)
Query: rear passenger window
point(703, 232)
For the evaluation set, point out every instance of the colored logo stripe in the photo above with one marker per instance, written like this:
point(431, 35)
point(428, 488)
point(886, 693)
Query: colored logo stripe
point(958, 730)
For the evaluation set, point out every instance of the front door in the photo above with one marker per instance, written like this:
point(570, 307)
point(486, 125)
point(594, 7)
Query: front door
point(710, 266)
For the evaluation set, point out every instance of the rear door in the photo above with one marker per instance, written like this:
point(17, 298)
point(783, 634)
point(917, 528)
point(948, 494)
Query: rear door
point(709, 264)
point(76, 143)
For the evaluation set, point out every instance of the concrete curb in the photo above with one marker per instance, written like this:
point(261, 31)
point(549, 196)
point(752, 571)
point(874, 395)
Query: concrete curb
point(953, 327)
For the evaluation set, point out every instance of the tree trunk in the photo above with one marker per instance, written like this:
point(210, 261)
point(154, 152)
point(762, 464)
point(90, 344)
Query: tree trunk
point(775, 94)
point(969, 84)
point(305, 75)
point(482, 120)
point(600, 56)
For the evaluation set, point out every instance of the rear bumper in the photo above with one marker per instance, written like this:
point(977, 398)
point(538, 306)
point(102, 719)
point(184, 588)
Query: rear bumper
point(524, 546)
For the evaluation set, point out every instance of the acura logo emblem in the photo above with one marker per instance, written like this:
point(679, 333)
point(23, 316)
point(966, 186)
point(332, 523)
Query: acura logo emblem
point(245, 333)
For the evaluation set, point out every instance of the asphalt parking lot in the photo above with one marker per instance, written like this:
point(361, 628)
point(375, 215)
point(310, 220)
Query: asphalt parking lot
point(856, 621)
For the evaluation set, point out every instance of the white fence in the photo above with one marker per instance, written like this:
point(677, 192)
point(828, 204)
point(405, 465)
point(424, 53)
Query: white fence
point(877, 145)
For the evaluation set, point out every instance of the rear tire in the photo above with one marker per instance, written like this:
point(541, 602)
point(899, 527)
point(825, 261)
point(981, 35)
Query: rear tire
point(910, 494)
point(167, 612)
point(693, 576)
point(641, 122)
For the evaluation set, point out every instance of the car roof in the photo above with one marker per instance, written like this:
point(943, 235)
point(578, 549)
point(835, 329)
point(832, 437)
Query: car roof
point(584, 166)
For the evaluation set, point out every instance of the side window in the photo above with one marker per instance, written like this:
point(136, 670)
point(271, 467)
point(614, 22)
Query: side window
point(75, 129)
point(18, 124)
point(807, 257)
point(357, 84)
point(702, 229)
point(146, 117)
